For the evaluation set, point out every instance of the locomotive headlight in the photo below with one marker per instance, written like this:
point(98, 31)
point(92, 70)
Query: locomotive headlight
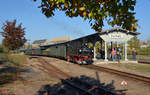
point(84, 62)
point(80, 50)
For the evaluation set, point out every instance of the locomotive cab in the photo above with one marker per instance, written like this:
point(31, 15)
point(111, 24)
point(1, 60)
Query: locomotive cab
point(86, 51)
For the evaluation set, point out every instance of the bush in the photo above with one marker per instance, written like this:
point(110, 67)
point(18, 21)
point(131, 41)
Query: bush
point(145, 51)
point(3, 57)
point(140, 51)
point(1, 48)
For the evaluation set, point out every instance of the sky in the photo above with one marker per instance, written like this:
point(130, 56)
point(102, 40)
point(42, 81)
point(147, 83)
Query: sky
point(39, 27)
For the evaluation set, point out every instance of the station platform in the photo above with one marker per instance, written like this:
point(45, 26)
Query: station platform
point(97, 61)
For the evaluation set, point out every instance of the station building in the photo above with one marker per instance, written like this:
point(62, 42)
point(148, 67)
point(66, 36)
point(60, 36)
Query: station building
point(108, 39)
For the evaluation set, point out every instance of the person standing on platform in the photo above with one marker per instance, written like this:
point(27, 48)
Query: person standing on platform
point(113, 54)
point(119, 54)
point(110, 55)
point(134, 54)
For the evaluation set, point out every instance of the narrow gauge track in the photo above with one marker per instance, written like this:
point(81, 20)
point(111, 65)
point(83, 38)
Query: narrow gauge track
point(124, 74)
point(82, 87)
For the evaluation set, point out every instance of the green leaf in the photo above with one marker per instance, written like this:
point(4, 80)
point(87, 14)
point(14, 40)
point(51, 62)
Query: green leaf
point(96, 10)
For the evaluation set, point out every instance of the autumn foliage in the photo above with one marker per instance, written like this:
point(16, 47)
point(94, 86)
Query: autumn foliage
point(13, 35)
point(114, 12)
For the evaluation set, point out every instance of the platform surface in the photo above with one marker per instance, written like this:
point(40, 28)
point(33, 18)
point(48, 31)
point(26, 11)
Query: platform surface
point(107, 62)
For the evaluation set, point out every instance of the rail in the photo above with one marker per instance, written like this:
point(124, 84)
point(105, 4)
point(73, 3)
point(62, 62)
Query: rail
point(125, 74)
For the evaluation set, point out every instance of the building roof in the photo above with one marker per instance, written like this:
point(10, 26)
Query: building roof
point(120, 30)
point(60, 40)
point(39, 41)
point(95, 35)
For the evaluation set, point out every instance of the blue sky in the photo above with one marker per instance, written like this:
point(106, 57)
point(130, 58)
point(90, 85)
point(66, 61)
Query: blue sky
point(39, 27)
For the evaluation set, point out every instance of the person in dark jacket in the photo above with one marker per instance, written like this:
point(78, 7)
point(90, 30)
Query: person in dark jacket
point(134, 54)
point(119, 54)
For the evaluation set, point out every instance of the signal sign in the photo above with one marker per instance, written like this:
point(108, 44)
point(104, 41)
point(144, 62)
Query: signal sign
point(124, 83)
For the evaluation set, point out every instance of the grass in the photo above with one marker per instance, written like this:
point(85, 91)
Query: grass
point(3, 57)
point(10, 67)
point(8, 77)
point(143, 68)
point(17, 59)
point(8, 74)
point(140, 67)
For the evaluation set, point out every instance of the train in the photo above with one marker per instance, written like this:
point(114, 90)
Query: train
point(72, 51)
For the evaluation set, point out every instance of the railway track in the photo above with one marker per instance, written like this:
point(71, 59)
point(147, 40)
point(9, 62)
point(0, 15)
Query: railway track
point(52, 70)
point(143, 62)
point(120, 73)
point(80, 86)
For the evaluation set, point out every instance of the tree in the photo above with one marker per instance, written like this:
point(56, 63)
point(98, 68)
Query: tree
point(90, 45)
point(1, 48)
point(13, 35)
point(134, 43)
point(97, 47)
point(115, 12)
